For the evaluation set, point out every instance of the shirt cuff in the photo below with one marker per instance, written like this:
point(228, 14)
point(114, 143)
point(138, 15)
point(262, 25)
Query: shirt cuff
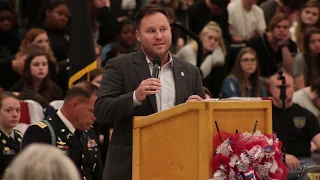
point(135, 100)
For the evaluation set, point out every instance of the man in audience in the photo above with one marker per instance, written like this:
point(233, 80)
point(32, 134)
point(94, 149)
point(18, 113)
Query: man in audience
point(203, 11)
point(295, 126)
point(245, 20)
point(308, 98)
point(70, 129)
point(287, 7)
point(275, 47)
point(128, 90)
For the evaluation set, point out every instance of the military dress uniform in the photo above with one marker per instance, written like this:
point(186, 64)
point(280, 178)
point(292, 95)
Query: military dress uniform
point(9, 147)
point(80, 146)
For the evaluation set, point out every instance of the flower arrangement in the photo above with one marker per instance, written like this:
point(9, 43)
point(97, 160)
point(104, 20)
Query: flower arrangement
point(248, 156)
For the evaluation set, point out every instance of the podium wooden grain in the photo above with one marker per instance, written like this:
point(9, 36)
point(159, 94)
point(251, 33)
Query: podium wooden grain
point(177, 144)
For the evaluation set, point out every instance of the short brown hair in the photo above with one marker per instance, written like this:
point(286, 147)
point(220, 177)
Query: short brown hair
point(148, 10)
point(276, 19)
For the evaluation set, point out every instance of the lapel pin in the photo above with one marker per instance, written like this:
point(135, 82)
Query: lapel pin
point(182, 73)
point(4, 141)
point(63, 130)
point(68, 136)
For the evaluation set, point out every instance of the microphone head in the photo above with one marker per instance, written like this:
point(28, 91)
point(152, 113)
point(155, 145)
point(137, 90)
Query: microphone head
point(157, 60)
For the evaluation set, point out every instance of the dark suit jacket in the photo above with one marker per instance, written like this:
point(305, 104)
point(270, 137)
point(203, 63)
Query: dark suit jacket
point(83, 153)
point(122, 76)
point(9, 148)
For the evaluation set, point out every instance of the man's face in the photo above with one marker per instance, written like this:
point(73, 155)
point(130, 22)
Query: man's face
point(281, 30)
point(85, 113)
point(275, 89)
point(154, 34)
point(5, 20)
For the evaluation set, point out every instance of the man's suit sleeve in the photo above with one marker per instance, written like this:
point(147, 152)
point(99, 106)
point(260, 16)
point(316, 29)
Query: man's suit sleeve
point(199, 86)
point(36, 134)
point(112, 104)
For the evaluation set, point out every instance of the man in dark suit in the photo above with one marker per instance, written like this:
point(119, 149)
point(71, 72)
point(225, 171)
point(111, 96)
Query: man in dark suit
point(71, 131)
point(128, 90)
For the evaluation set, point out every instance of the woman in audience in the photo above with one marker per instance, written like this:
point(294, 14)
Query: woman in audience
point(37, 78)
point(42, 161)
point(10, 139)
point(308, 17)
point(244, 80)
point(126, 40)
point(214, 52)
point(39, 37)
point(306, 65)
point(54, 19)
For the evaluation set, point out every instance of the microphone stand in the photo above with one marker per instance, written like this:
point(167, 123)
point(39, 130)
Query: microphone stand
point(283, 95)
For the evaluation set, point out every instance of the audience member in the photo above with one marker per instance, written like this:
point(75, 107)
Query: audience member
point(246, 20)
point(70, 130)
point(11, 70)
point(203, 11)
point(55, 20)
point(308, 17)
point(126, 40)
point(309, 98)
point(305, 68)
point(37, 77)
point(214, 51)
point(273, 7)
point(244, 79)
point(104, 22)
point(39, 162)
point(274, 47)
point(10, 139)
point(128, 90)
point(295, 126)
point(39, 37)
point(9, 40)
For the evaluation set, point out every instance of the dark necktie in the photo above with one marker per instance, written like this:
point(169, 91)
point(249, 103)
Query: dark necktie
point(78, 134)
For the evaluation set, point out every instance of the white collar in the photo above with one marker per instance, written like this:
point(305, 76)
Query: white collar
point(66, 121)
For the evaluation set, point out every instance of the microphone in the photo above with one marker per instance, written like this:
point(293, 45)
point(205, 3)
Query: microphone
point(156, 67)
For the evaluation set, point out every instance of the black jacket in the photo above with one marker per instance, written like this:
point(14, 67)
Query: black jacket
point(84, 153)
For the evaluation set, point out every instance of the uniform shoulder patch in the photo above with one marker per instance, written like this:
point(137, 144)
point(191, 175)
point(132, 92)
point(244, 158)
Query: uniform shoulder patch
point(18, 132)
point(42, 125)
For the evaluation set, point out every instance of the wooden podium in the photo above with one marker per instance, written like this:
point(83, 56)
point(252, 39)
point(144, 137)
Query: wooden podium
point(177, 144)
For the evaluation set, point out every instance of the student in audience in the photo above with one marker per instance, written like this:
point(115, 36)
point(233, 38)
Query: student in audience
point(39, 37)
point(9, 40)
point(295, 126)
point(55, 21)
point(10, 139)
point(37, 77)
point(41, 161)
point(244, 79)
point(306, 65)
point(274, 47)
point(214, 52)
point(246, 20)
point(214, 57)
point(308, 17)
point(126, 40)
point(11, 70)
point(309, 98)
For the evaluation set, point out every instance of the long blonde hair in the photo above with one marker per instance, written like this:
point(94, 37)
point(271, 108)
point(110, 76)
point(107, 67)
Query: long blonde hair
point(209, 27)
point(54, 165)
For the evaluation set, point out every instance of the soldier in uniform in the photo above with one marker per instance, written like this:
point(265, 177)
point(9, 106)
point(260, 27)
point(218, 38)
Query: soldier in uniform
point(70, 129)
point(10, 139)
